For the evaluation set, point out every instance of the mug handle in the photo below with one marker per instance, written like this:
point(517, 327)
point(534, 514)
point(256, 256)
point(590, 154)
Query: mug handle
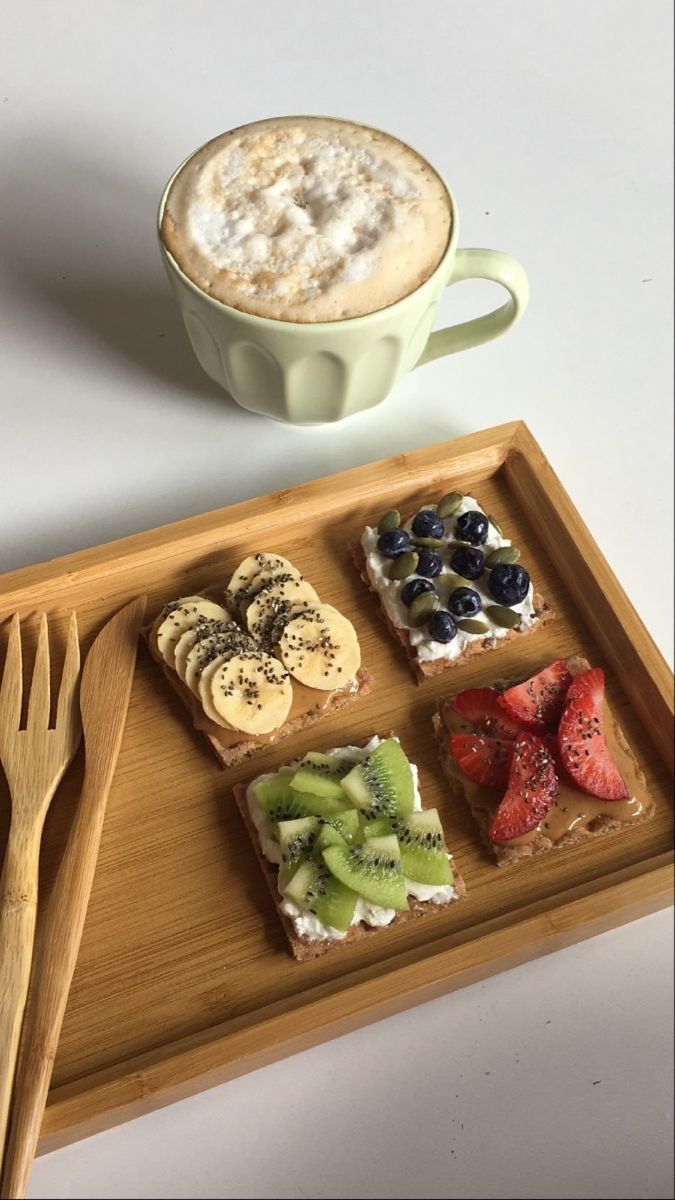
point(481, 264)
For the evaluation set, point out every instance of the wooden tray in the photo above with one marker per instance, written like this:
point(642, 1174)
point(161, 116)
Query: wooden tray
point(184, 978)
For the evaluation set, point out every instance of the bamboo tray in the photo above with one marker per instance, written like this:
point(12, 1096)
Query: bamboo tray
point(184, 978)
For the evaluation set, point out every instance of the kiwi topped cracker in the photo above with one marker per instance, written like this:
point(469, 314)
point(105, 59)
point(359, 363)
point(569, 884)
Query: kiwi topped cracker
point(346, 845)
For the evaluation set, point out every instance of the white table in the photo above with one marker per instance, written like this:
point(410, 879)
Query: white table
point(550, 120)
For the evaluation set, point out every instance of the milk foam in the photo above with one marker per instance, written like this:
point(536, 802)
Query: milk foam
point(309, 209)
point(306, 212)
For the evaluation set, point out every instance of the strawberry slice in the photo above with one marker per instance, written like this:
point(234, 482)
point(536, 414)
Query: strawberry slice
point(531, 791)
point(480, 706)
point(486, 760)
point(550, 741)
point(538, 702)
point(581, 739)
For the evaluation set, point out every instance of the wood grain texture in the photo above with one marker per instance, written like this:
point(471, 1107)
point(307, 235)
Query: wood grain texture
point(34, 759)
point(104, 699)
point(184, 977)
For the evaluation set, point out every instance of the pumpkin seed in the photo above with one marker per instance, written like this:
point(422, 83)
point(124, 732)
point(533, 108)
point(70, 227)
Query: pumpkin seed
point(421, 608)
point(505, 554)
point(456, 581)
point(390, 520)
point(404, 565)
point(470, 626)
point(506, 617)
point(437, 543)
point(495, 524)
point(456, 543)
point(449, 504)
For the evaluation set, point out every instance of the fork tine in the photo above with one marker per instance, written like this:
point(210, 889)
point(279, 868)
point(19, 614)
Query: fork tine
point(66, 708)
point(39, 699)
point(11, 689)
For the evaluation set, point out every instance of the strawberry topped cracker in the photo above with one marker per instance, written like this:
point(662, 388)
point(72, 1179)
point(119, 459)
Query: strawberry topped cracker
point(541, 762)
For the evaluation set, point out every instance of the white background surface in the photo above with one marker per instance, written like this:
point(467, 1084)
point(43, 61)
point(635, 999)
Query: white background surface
point(552, 122)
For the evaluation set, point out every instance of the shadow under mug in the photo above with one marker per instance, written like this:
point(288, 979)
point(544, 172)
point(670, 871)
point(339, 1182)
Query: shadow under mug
point(309, 374)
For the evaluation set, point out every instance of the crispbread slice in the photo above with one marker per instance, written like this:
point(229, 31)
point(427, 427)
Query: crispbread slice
point(305, 948)
point(540, 844)
point(248, 746)
point(426, 669)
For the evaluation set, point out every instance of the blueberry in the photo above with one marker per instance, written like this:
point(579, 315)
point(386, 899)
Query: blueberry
point(393, 542)
point(472, 527)
point(430, 563)
point(441, 626)
point(427, 523)
point(508, 583)
point(464, 602)
point(467, 562)
point(414, 588)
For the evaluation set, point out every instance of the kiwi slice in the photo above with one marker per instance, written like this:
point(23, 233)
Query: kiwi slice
point(347, 824)
point(423, 855)
point(281, 802)
point(380, 827)
point(278, 800)
point(306, 837)
point(314, 889)
point(320, 774)
point(327, 836)
point(297, 840)
point(422, 845)
point(373, 870)
point(323, 806)
point(381, 785)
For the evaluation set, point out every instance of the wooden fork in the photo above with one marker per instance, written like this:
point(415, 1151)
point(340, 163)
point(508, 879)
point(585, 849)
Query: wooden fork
point(34, 761)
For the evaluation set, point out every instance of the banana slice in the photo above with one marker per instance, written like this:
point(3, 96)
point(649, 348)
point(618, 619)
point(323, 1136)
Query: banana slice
point(268, 612)
point(204, 690)
point(228, 641)
point(183, 646)
point(168, 610)
point(249, 572)
point(263, 581)
point(320, 648)
point(192, 637)
point(251, 692)
point(181, 616)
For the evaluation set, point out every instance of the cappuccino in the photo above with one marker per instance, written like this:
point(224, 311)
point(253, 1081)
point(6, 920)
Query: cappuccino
point(307, 219)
